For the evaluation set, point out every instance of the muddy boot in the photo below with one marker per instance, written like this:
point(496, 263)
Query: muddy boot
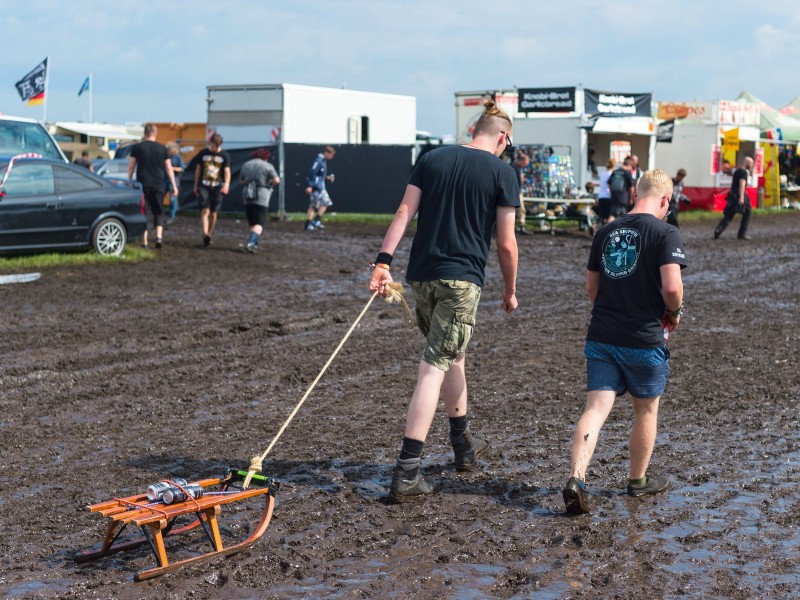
point(408, 481)
point(467, 448)
point(720, 228)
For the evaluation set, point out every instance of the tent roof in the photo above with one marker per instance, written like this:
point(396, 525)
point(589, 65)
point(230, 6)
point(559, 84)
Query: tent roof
point(774, 119)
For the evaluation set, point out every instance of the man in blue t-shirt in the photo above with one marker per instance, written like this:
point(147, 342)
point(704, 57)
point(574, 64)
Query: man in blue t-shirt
point(634, 282)
point(318, 198)
point(458, 194)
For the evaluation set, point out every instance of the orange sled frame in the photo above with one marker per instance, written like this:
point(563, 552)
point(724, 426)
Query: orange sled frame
point(157, 522)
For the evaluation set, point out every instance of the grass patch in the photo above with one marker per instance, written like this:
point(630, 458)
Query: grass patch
point(132, 254)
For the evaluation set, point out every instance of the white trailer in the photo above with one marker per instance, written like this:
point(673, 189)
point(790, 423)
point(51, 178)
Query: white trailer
point(283, 113)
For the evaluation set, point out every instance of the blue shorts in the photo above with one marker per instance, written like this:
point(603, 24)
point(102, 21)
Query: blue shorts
point(641, 371)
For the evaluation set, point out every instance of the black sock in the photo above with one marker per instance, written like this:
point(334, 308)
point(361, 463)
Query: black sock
point(411, 449)
point(458, 425)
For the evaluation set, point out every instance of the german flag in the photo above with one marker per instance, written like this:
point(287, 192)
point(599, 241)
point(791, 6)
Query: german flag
point(36, 100)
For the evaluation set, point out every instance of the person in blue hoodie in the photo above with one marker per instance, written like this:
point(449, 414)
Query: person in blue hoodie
point(319, 200)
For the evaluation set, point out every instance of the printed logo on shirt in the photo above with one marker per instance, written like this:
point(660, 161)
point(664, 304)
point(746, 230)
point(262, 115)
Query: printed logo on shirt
point(620, 252)
point(678, 253)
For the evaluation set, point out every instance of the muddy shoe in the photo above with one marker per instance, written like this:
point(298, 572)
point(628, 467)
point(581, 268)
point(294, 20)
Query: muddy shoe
point(653, 485)
point(467, 448)
point(408, 485)
point(574, 494)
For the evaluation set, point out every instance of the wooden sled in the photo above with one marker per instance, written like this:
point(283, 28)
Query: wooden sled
point(158, 521)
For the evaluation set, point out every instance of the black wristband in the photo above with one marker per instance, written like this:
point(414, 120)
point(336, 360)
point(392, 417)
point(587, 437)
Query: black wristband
point(384, 258)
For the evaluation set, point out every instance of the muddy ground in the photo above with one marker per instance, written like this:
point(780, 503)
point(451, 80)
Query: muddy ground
point(116, 375)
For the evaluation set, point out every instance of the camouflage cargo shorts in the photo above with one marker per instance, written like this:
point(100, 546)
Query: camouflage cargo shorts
point(446, 317)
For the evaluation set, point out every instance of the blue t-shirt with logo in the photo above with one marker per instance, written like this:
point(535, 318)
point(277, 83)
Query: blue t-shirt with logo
point(629, 253)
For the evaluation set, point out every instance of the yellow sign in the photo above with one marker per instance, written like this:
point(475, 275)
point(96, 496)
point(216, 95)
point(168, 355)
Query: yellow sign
point(730, 139)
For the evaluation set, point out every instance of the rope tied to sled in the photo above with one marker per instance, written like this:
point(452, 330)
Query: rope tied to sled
point(394, 295)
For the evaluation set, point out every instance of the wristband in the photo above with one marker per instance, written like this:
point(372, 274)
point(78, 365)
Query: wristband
point(384, 258)
point(381, 266)
point(676, 313)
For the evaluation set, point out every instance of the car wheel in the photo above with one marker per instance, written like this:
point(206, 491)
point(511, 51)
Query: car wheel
point(109, 237)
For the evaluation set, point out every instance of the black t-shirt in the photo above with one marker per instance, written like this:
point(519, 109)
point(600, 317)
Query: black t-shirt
point(150, 170)
point(212, 167)
point(738, 175)
point(628, 253)
point(461, 190)
point(619, 185)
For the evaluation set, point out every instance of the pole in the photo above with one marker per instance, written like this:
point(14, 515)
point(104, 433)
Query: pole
point(91, 91)
point(46, 91)
point(282, 163)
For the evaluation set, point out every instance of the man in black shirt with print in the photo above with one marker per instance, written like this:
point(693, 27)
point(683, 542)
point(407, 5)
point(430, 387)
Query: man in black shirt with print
point(633, 279)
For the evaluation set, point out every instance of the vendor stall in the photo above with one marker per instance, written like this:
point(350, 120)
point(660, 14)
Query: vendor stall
point(585, 125)
point(709, 139)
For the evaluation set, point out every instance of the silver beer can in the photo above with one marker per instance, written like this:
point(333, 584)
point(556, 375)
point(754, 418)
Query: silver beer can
point(156, 491)
point(175, 494)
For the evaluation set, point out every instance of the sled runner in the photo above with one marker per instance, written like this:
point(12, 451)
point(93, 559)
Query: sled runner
point(157, 519)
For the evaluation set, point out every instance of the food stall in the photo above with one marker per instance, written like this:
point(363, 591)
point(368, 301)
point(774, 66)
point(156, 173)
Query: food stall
point(709, 139)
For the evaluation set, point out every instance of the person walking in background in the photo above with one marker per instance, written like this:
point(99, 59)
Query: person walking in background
point(84, 161)
point(319, 200)
point(604, 194)
point(636, 172)
point(620, 186)
point(212, 180)
point(678, 198)
point(737, 201)
point(634, 283)
point(258, 177)
point(151, 163)
point(177, 168)
point(458, 194)
point(520, 165)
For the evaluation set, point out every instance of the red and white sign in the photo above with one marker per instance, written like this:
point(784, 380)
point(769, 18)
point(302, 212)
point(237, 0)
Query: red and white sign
point(758, 168)
point(275, 133)
point(620, 150)
point(715, 156)
point(738, 113)
point(473, 101)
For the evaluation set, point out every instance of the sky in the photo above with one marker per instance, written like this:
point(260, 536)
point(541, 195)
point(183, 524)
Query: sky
point(152, 60)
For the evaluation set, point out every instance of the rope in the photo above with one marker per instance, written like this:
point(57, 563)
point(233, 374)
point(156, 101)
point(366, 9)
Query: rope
point(395, 294)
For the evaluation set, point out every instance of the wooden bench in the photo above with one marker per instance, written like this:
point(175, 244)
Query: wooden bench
point(157, 521)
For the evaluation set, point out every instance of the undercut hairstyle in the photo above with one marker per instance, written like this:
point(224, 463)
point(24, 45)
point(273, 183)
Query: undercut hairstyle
point(654, 183)
point(150, 129)
point(330, 150)
point(628, 162)
point(216, 139)
point(492, 121)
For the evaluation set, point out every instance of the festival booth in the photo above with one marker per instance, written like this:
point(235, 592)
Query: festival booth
point(709, 139)
point(780, 134)
point(569, 122)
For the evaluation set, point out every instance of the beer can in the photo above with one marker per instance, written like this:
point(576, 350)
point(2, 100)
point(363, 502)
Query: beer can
point(175, 494)
point(156, 491)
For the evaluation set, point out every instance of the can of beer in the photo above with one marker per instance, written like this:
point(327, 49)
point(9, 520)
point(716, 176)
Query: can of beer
point(156, 491)
point(174, 494)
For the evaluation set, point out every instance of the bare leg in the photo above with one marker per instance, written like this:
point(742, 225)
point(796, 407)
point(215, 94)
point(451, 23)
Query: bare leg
point(257, 229)
point(204, 220)
point(587, 431)
point(643, 434)
point(423, 403)
point(213, 223)
point(321, 211)
point(454, 388)
point(159, 231)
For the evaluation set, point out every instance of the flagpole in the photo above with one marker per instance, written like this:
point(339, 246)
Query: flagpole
point(46, 92)
point(91, 91)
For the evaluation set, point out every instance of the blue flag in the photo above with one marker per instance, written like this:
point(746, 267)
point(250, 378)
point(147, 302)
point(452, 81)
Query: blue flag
point(84, 86)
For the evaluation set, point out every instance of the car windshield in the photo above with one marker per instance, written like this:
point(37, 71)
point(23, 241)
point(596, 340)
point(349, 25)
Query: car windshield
point(19, 138)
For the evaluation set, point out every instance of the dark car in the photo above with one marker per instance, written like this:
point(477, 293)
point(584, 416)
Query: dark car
point(51, 205)
point(116, 168)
